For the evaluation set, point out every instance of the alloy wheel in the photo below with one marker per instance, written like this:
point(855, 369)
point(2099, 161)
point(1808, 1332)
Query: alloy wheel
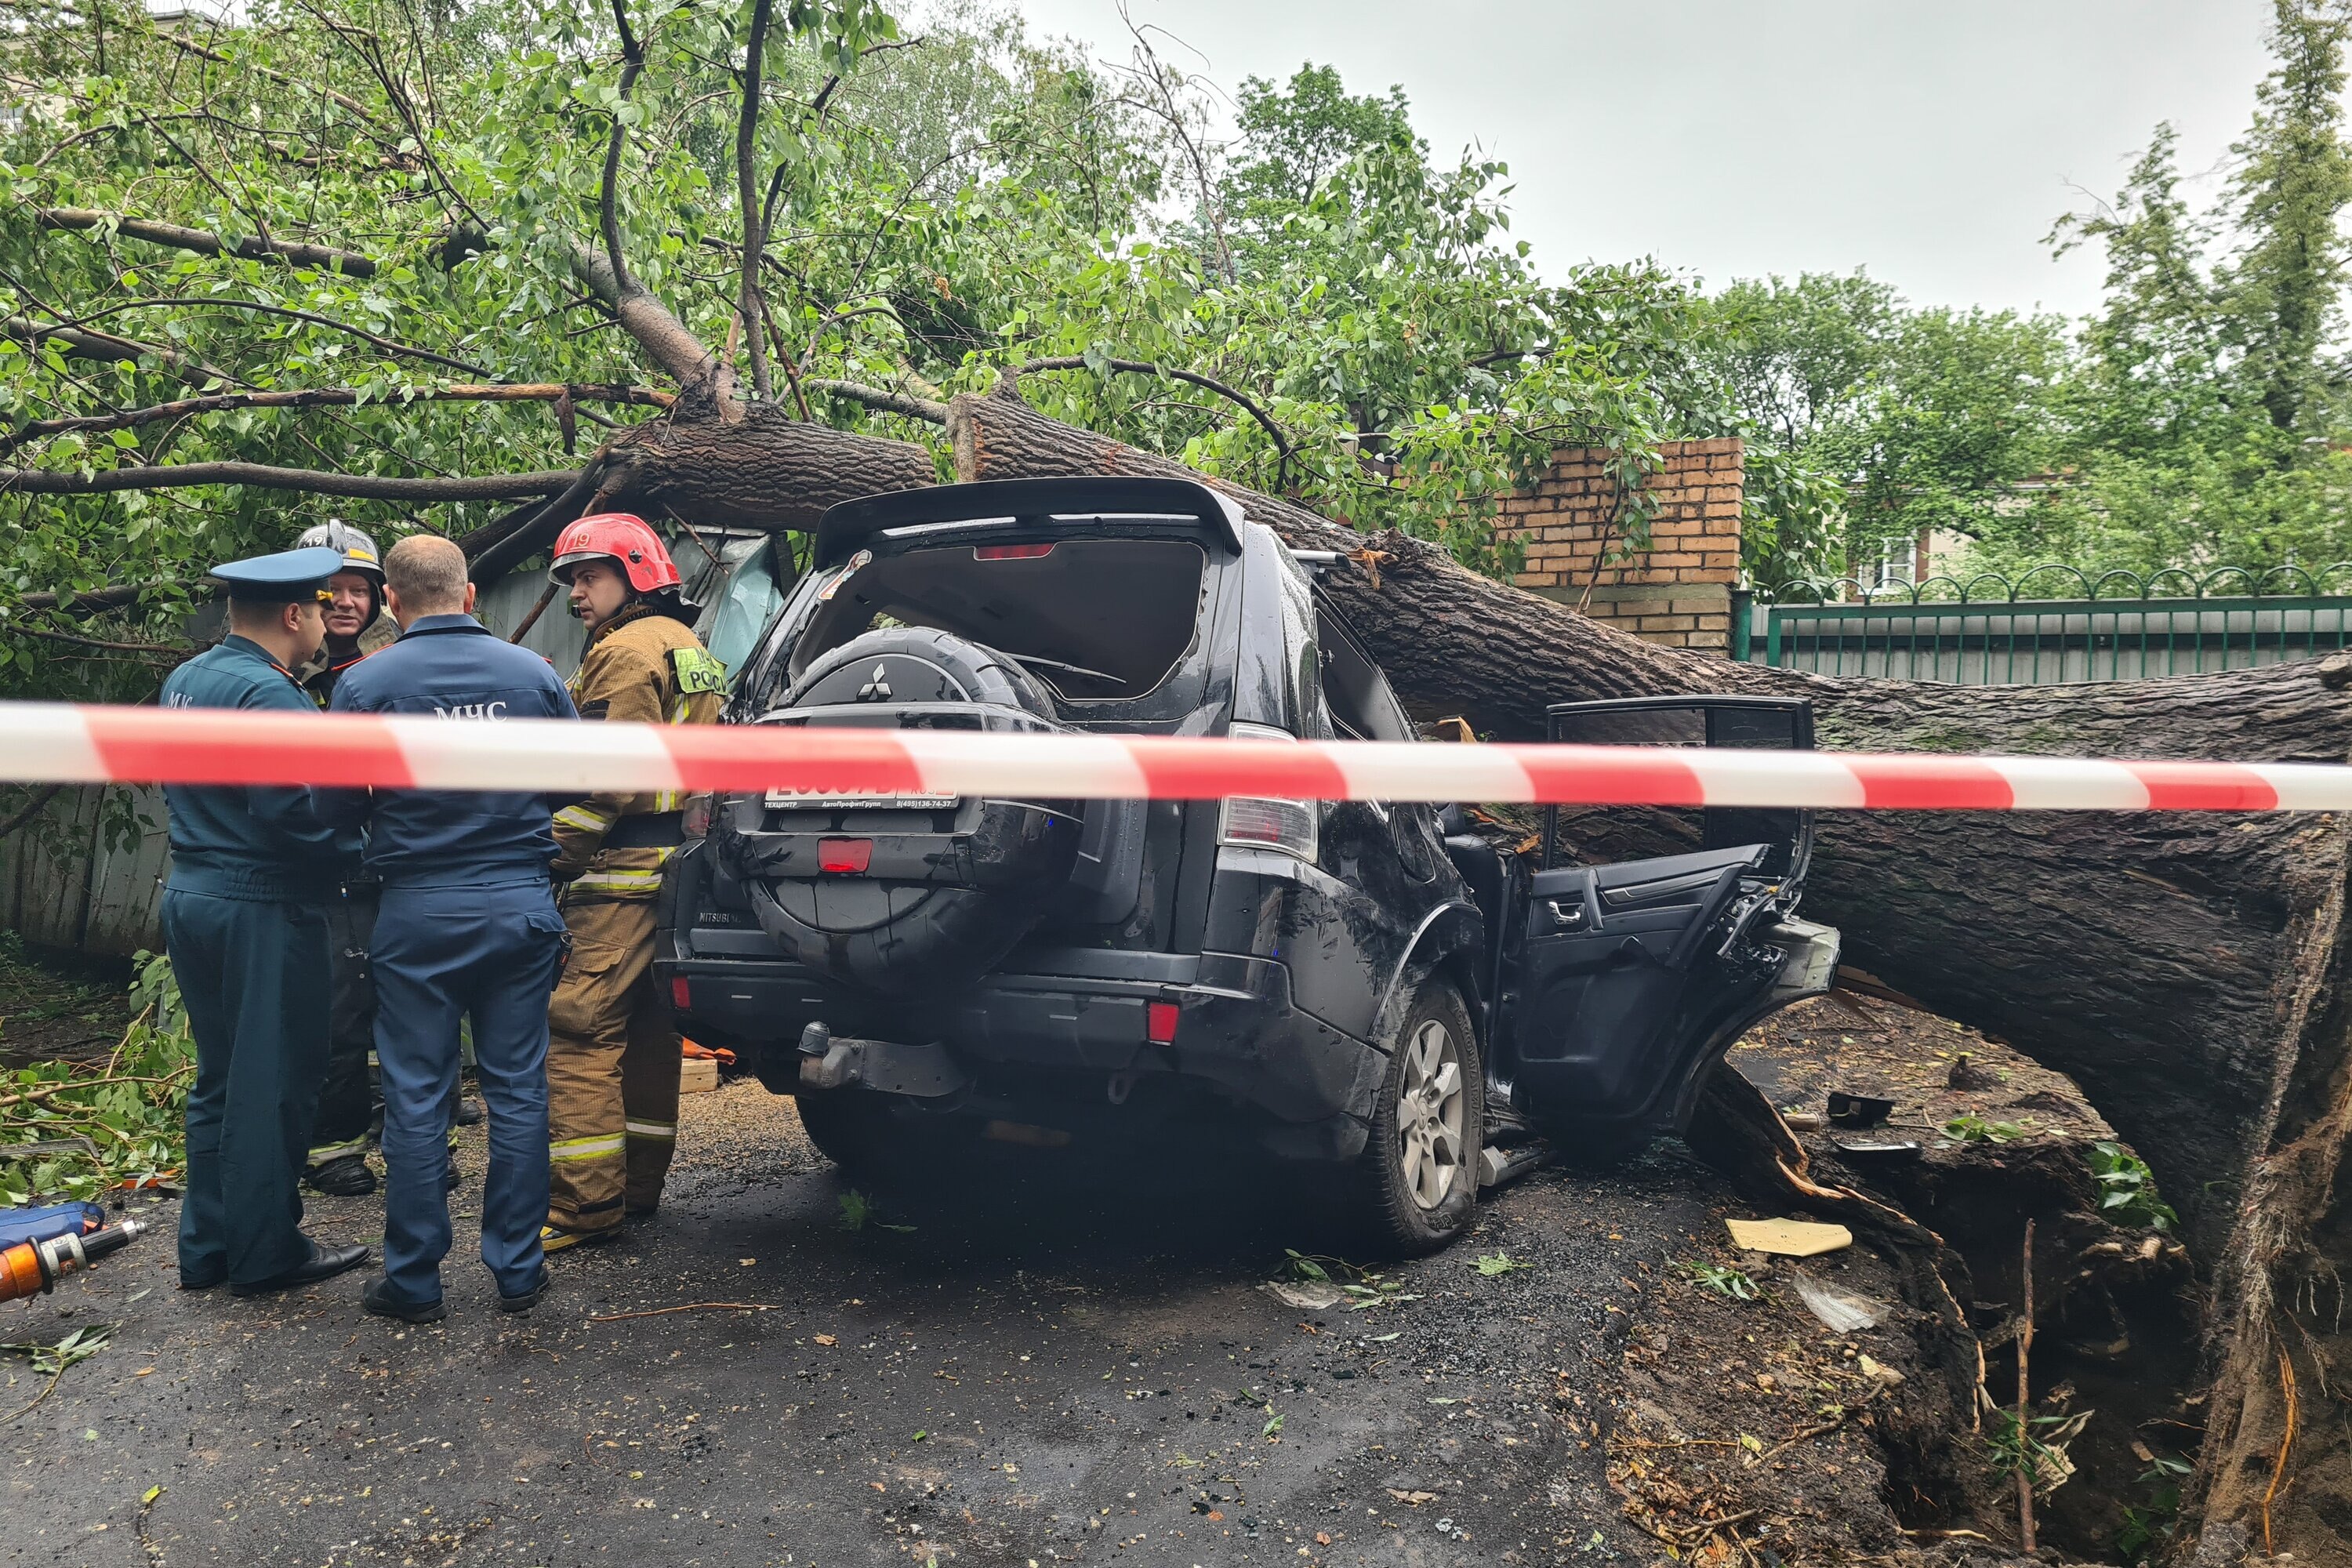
point(1430, 1111)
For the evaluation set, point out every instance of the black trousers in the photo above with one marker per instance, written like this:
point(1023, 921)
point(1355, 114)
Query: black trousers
point(253, 973)
point(346, 1099)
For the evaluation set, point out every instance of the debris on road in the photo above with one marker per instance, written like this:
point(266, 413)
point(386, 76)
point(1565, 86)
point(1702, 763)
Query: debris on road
point(1788, 1237)
point(76, 1347)
point(688, 1307)
point(1304, 1296)
point(1841, 1311)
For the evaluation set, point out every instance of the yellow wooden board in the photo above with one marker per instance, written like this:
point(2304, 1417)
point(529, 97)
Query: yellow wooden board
point(1789, 1237)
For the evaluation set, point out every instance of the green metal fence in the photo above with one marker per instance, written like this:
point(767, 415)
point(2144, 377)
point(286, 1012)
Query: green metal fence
point(2118, 625)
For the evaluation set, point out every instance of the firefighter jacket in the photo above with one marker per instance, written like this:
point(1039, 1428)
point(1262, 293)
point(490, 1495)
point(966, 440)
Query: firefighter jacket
point(642, 667)
point(318, 674)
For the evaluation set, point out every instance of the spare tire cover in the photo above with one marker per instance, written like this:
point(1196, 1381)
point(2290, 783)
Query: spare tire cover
point(916, 664)
point(913, 939)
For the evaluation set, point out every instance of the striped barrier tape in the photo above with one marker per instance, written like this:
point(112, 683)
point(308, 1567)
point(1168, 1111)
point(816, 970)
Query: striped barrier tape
point(57, 744)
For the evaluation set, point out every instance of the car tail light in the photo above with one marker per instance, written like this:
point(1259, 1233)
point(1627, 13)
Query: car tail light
point(1010, 552)
point(1261, 822)
point(843, 856)
point(680, 995)
point(694, 818)
point(1159, 1023)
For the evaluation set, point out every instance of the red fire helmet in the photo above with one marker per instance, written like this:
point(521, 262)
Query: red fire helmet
point(623, 538)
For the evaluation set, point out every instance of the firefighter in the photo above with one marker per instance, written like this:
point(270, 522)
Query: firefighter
point(612, 1051)
point(357, 622)
point(357, 625)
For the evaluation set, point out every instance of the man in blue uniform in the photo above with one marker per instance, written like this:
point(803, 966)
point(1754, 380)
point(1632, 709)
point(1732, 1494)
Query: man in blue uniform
point(468, 928)
point(245, 922)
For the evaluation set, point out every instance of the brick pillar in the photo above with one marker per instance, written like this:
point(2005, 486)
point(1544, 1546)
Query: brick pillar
point(1678, 592)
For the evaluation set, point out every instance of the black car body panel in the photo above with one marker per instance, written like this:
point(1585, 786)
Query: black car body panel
point(1245, 962)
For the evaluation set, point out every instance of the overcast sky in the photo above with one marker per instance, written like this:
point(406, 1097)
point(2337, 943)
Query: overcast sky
point(1933, 143)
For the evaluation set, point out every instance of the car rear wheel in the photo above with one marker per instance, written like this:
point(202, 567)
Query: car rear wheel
point(850, 1127)
point(1417, 1179)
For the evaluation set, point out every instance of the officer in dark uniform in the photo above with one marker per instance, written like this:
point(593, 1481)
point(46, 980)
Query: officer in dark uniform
point(468, 928)
point(245, 922)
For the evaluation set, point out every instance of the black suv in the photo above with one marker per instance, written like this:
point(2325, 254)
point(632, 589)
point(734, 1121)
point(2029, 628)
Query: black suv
point(1393, 989)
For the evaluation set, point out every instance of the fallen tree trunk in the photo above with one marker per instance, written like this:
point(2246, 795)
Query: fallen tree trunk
point(761, 469)
point(2183, 968)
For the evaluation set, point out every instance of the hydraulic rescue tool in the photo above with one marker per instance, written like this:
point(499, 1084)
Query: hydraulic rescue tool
point(39, 1254)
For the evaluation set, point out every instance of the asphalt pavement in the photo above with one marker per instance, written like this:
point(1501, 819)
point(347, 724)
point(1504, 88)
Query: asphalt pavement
point(1064, 1358)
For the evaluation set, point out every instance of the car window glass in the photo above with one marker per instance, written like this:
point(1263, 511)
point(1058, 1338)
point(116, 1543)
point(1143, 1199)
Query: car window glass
point(743, 602)
point(1362, 706)
point(1302, 659)
point(1096, 619)
point(1606, 834)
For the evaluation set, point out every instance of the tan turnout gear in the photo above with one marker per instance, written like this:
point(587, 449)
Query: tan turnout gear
point(612, 1050)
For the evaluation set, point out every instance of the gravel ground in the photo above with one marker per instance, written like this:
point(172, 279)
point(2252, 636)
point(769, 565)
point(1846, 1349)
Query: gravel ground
point(1064, 1360)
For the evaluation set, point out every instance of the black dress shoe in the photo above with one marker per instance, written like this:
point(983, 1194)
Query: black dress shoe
point(378, 1301)
point(449, 1176)
point(325, 1263)
point(469, 1111)
point(344, 1177)
point(202, 1281)
point(530, 1298)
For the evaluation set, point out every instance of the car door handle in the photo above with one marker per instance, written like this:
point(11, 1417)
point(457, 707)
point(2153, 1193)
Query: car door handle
point(1565, 914)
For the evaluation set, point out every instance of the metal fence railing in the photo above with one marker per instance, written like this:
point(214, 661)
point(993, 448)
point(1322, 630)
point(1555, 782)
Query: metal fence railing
point(2118, 625)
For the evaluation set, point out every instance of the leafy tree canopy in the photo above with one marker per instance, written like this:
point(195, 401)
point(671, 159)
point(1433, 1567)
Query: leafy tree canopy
point(411, 266)
point(2199, 418)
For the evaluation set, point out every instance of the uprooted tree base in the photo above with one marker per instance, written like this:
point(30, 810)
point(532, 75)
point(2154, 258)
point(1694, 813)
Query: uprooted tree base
point(2183, 968)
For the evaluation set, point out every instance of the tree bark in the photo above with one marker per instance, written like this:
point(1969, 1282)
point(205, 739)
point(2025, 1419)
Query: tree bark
point(253, 248)
point(2182, 967)
point(766, 470)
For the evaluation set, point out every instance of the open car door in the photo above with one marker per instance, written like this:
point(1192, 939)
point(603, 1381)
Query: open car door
point(1646, 940)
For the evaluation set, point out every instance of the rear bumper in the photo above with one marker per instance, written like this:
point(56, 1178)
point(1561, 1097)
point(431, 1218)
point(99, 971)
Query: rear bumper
point(1238, 1031)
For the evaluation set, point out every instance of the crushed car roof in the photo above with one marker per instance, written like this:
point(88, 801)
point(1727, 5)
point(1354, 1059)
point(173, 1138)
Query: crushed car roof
point(850, 526)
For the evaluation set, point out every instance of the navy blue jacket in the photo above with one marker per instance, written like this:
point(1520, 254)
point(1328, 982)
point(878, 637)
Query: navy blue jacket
point(451, 666)
point(248, 841)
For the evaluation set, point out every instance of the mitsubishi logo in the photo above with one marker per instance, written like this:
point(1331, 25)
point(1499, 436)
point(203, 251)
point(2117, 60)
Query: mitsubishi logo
point(876, 687)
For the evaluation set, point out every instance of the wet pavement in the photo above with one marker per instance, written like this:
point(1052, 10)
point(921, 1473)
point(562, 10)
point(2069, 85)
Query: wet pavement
point(1064, 1360)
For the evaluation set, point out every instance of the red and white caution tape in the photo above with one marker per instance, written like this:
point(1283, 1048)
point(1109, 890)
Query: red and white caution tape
point(54, 743)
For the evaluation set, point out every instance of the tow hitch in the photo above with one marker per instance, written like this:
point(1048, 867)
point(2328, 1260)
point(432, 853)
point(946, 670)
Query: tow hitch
point(926, 1072)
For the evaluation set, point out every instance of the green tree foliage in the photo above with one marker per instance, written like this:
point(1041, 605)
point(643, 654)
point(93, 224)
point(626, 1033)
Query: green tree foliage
point(2197, 419)
point(1925, 419)
point(429, 222)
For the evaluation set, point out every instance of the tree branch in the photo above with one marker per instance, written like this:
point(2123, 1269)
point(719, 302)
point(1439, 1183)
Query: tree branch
point(747, 293)
point(176, 651)
point(632, 64)
point(878, 397)
point(388, 345)
point(338, 397)
point(312, 481)
point(701, 375)
point(1139, 367)
point(703, 378)
point(252, 247)
point(123, 350)
point(30, 809)
point(96, 601)
point(171, 37)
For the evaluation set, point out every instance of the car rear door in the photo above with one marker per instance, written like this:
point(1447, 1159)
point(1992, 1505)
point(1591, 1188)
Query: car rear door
point(1642, 935)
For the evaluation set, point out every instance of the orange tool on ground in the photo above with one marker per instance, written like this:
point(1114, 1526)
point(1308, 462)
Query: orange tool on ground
point(31, 1268)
